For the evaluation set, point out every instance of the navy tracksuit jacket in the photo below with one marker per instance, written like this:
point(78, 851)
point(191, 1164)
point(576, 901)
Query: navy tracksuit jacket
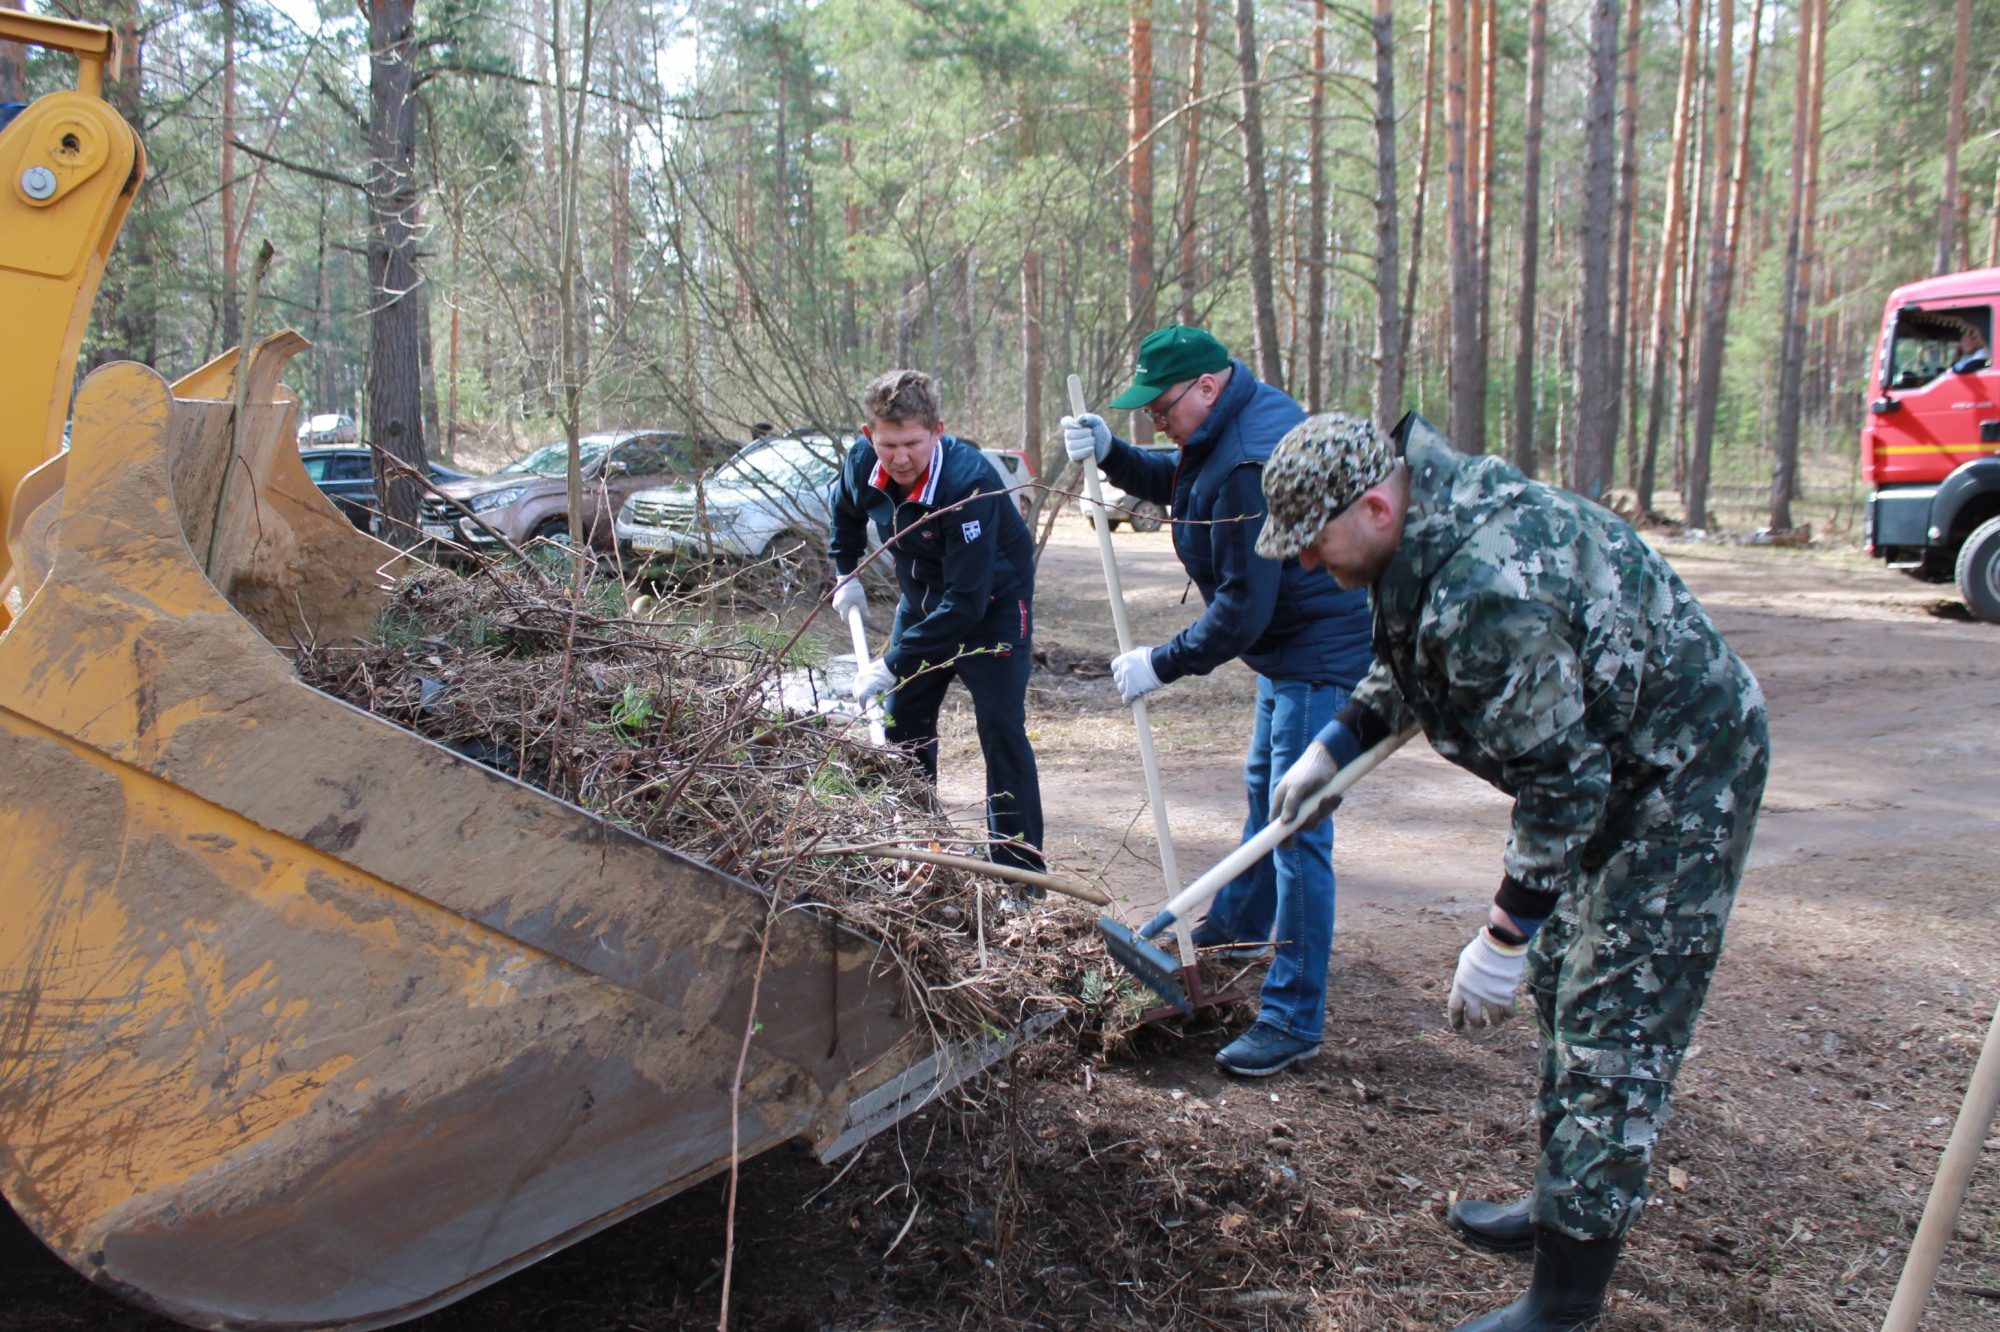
point(965, 565)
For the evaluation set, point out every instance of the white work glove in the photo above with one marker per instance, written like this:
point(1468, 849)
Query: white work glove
point(1134, 675)
point(1488, 974)
point(1086, 437)
point(1310, 771)
point(874, 678)
point(848, 594)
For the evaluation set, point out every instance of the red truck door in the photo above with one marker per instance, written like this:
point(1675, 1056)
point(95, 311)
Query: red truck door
point(1940, 403)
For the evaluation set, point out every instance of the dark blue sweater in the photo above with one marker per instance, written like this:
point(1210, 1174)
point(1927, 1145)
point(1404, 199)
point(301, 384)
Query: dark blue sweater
point(965, 549)
point(1286, 623)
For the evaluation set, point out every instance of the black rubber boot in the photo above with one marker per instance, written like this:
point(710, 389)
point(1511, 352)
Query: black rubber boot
point(1495, 1227)
point(1567, 1293)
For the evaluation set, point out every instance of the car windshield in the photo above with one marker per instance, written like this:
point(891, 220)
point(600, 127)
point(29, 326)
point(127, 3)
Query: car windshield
point(553, 459)
point(783, 464)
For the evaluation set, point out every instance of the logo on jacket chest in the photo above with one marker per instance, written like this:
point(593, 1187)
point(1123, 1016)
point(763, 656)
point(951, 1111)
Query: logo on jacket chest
point(971, 530)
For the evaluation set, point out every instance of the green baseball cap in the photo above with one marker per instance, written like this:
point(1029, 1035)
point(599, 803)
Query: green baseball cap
point(1322, 465)
point(1168, 356)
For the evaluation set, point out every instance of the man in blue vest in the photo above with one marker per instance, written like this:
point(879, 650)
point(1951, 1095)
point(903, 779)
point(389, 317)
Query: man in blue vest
point(966, 568)
point(1308, 642)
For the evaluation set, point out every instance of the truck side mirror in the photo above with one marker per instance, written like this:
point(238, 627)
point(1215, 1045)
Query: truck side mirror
point(1884, 405)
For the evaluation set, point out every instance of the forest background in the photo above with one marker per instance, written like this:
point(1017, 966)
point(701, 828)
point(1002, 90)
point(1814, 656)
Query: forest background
point(1638, 245)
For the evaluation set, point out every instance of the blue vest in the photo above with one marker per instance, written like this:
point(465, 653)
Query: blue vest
point(1317, 632)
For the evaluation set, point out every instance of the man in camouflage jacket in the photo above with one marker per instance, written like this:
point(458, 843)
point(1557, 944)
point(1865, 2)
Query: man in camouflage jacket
point(1541, 644)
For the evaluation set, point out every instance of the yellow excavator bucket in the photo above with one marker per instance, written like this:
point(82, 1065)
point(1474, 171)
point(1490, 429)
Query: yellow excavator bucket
point(310, 1022)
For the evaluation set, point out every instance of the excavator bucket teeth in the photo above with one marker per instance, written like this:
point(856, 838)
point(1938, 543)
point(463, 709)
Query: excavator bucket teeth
point(312, 1021)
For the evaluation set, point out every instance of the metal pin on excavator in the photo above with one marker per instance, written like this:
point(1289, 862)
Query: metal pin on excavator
point(309, 1021)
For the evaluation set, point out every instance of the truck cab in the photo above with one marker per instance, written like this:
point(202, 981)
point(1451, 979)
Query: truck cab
point(1931, 445)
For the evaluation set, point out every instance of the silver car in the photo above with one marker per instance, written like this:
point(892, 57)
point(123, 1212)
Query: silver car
point(774, 497)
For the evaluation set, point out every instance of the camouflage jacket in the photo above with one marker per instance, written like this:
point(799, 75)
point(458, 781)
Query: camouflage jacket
point(1542, 645)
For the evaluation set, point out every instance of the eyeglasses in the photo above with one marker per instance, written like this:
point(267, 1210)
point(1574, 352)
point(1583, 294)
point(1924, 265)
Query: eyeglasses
point(1159, 413)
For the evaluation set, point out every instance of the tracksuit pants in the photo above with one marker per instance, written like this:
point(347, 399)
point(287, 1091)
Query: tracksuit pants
point(993, 664)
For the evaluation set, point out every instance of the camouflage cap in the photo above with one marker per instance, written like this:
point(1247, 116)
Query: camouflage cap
point(1322, 465)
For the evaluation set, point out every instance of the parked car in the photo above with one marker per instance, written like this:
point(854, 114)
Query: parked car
point(775, 494)
point(1144, 515)
point(1017, 473)
point(346, 475)
point(529, 498)
point(327, 428)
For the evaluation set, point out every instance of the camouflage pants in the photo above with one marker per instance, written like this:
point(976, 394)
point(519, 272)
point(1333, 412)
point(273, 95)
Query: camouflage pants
point(1618, 974)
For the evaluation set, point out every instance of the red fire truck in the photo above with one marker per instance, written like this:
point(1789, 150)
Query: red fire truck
point(1933, 433)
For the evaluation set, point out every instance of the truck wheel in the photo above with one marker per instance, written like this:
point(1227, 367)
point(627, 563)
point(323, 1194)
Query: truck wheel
point(1979, 571)
point(1146, 517)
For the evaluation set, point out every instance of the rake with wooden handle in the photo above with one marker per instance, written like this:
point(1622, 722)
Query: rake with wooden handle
point(1193, 997)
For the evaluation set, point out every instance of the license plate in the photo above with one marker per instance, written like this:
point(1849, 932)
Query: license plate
point(438, 532)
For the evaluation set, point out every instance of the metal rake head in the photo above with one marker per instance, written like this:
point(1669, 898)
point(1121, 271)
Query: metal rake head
point(1156, 970)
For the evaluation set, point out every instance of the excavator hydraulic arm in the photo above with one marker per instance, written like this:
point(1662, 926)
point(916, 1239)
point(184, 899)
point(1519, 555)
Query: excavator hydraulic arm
point(310, 1022)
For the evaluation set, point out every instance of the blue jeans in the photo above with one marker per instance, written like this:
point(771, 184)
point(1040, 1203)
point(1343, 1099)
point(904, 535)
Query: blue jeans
point(1288, 895)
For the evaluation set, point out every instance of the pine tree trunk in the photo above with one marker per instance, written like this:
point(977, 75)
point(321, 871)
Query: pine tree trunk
point(232, 319)
point(1263, 299)
point(1624, 317)
point(1423, 184)
point(1596, 371)
point(1465, 426)
point(1722, 267)
point(1791, 309)
point(1715, 293)
point(1388, 315)
point(1483, 236)
point(1531, 238)
point(395, 382)
point(1809, 267)
point(1190, 182)
point(1665, 282)
point(1948, 202)
point(1316, 214)
point(1139, 192)
point(1033, 441)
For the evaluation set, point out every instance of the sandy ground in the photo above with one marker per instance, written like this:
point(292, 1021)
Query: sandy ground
point(1141, 1187)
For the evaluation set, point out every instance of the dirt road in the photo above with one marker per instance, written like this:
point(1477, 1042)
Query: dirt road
point(1144, 1189)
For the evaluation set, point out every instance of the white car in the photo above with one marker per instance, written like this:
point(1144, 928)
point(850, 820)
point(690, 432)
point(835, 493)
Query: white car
point(773, 497)
point(1144, 515)
point(775, 494)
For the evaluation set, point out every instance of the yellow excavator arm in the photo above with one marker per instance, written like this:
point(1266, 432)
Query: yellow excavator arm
point(69, 168)
point(311, 1022)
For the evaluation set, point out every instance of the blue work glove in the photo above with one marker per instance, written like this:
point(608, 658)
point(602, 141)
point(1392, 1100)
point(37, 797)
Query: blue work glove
point(1086, 436)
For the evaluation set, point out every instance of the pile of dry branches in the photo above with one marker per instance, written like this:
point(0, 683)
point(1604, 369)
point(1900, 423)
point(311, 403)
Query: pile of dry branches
point(670, 724)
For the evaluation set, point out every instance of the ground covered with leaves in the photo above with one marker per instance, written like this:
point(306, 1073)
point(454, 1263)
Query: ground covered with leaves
point(1098, 1182)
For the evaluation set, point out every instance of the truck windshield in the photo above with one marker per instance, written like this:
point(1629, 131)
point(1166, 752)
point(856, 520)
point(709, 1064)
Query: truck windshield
point(1929, 342)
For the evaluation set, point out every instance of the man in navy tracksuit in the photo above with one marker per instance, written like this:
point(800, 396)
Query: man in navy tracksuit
point(966, 568)
point(1308, 641)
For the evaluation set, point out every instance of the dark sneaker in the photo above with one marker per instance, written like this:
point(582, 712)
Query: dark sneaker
point(1262, 1051)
